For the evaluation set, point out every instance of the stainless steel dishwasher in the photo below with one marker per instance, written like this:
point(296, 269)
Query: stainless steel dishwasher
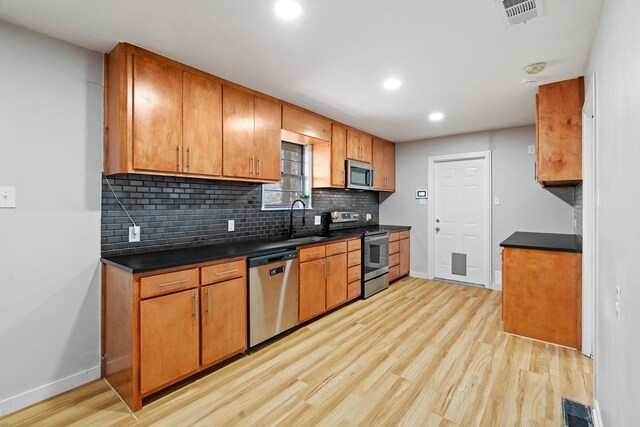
point(273, 295)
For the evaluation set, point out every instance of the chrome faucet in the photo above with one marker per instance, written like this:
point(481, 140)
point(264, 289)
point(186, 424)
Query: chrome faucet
point(304, 211)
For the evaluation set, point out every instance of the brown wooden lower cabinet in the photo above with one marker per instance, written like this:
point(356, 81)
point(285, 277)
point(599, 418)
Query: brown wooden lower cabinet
point(169, 339)
point(336, 280)
point(224, 320)
point(399, 254)
point(160, 327)
point(311, 289)
point(542, 295)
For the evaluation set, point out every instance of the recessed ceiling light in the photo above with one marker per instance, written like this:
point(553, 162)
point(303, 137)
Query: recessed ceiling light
point(288, 9)
point(436, 117)
point(392, 84)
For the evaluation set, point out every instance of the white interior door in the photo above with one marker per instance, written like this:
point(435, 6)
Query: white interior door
point(459, 202)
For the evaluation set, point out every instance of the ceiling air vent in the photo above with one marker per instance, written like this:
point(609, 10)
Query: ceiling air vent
point(519, 11)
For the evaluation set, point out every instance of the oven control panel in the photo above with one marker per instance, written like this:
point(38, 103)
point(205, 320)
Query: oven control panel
point(345, 216)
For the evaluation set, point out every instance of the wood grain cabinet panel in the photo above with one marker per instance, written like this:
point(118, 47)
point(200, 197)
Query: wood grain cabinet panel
point(335, 248)
point(202, 125)
point(354, 258)
point(238, 124)
point(157, 116)
point(359, 146)
point(311, 288)
point(160, 284)
point(314, 252)
point(354, 273)
point(221, 272)
point(354, 245)
point(405, 255)
point(384, 165)
point(559, 132)
point(394, 259)
point(393, 237)
point(542, 295)
point(354, 290)
point(169, 339)
point(224, 320)
point(268, 119)
point(305, 123)
point(336, 280)
point(394, 247)
point(338, 155)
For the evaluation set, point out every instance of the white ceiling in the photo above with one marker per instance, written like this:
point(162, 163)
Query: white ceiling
point(458, 57)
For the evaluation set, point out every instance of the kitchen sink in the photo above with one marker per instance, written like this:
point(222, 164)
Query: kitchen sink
point(308, 239)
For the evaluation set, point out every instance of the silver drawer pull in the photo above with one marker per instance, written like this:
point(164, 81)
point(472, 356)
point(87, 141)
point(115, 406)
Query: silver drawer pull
point(173, 283)
point(314, 253)
point(226, 272)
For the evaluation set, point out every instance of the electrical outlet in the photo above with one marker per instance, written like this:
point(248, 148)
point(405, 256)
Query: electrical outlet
point(134, 234)
point(231, 225)
point(368, 217)
point(316, 220)
point(7, 197)
point(575, 224)
point(618, 300)
point(531, 149)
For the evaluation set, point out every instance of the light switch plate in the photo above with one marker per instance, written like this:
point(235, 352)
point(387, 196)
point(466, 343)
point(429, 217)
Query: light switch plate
point(531, 149)
point(316, 220)
point(7, 197)
point(496, 200)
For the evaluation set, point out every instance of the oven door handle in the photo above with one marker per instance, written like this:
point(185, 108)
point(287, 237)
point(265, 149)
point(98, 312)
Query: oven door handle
point(376, 239)
point(368, 178)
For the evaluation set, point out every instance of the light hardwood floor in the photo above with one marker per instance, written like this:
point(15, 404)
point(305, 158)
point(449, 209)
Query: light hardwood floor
point(422, 353)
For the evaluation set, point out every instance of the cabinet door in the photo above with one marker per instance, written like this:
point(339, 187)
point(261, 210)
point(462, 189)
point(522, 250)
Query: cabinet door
point(268, 121)
point(338, 154)
point(312, 289)
point(390, 163)
point(367, 148)
point(169, 339)
point(157, 116)
point(224, 320)
point(238, 123)
point(306, 123)
point(353, 144)
point(336, 280)
point(202, 125)
point(379, 164)
point(404, 256)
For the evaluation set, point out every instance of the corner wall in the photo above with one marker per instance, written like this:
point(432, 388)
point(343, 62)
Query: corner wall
point(615, 58)
point(51, 150)
point(524, 204)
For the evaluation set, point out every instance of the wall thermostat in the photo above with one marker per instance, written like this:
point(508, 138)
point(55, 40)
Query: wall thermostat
point(421, 194)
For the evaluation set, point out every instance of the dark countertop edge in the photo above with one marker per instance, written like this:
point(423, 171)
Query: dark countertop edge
point(554, 242)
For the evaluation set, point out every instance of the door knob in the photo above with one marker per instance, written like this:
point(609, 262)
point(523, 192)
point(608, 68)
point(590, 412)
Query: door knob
point(437, 228)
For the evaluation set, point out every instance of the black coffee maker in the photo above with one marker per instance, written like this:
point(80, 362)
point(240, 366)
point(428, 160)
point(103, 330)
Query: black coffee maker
point(326, 222)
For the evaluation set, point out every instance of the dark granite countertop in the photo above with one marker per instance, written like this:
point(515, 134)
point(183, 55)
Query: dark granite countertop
point(158, 260)
point(544, 241)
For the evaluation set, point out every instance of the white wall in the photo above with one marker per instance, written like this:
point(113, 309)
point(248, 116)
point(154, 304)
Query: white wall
point(51, 150)
point(615, 59)
point(525, 205)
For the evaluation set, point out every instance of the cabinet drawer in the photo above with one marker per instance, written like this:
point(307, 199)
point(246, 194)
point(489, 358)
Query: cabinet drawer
point(404, 234)
point(394, 237)
point(354, 258)
point(336, 248)
point(394, 247)
point(394, 272)
point(353, 290)
point(354, 245)
point(160, 284)
point(354, 274)
point(394, 259)
point(309, 254)
point(221, 272)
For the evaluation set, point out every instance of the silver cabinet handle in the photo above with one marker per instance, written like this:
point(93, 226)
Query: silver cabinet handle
point(195, 305)
point(258, 166)
point(226, 272)
point(314, 253)
point(179, 153)
point(251, 162)
point(208, 304)
point(173, 283)
point(189, 158)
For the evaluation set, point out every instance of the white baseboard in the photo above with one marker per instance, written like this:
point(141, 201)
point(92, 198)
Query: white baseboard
point(46, 391)
point(597, 415)
point(419, 275)
point(495, 286)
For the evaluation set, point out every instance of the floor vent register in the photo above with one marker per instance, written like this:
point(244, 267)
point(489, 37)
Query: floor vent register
point(576, 414)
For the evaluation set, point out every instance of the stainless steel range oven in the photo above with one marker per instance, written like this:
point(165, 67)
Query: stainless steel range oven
point(375, 262)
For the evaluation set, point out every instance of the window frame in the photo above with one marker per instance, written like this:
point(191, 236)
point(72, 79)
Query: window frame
point(307, 177)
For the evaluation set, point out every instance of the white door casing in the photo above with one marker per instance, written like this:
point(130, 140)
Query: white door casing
point(460, 207)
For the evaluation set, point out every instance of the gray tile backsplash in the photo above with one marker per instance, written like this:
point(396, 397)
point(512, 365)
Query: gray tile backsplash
point(178, 212)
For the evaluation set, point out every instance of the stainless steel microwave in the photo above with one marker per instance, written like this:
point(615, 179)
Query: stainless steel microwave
point(359, 175)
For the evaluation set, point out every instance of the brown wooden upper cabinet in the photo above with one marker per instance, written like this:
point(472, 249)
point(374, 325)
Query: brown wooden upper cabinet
point(251, 136)
point(329, 158)
point(160, 118)
point(305, 123)
point(559, 133)
point(384, 165)
point(359, 146)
